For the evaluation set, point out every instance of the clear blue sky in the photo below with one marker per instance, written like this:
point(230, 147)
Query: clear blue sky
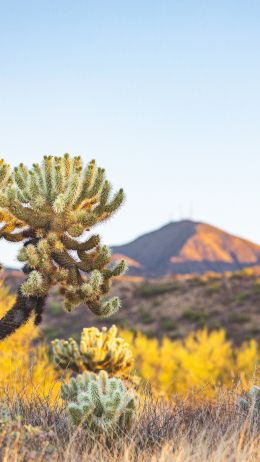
point(165, 95)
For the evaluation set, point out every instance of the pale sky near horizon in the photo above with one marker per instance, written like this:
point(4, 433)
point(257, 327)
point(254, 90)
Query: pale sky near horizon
point(165, 95)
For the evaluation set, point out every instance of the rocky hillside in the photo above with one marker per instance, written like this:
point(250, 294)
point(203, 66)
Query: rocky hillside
point(172, 306)
point(187, 247)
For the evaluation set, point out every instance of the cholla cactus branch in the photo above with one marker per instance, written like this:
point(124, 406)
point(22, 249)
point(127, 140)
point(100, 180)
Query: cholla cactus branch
point(54, 204)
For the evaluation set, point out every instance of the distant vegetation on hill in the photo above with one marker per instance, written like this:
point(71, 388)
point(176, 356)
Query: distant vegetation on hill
point(172, 306)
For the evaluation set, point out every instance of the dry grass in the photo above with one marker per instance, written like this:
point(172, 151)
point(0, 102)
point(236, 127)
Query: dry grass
point(187, 430)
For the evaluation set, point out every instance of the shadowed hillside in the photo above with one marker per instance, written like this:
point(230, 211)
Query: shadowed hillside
point(186, 247)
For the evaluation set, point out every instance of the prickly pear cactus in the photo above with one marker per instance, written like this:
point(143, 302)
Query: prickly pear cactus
point(252, 401)
point(48, 208)
point(99, 403)
point(97, 350)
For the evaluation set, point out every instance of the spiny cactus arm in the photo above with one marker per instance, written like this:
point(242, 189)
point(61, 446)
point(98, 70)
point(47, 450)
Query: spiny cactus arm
point(96, 260)
point(89, 183)
point(73, 244)
point(104, 210)
point(29, 216)
point(16, 237)
point(105, 309)
point(66, 354)
point(10, 224)
point(117, 270)
point(80, 413)
point(5, 173)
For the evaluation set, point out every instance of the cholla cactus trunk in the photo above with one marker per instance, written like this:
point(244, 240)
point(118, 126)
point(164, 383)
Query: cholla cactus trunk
point(20, 313)
point(48, 208)
point(22, 309)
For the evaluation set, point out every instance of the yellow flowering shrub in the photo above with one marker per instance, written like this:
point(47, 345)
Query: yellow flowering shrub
point(202, 361)
point(24, 366)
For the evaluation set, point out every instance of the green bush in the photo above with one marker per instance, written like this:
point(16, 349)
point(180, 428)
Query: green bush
point(146, 317)
point(213, 287)
point(239, 318)
point(199, 317)
point(241, 297)
point(168, 324)
point(151, 290)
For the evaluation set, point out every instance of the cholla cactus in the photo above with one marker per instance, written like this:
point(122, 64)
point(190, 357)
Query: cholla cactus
point(99, 403)
point(48, 208)
point(98, 350)
point(252, 401)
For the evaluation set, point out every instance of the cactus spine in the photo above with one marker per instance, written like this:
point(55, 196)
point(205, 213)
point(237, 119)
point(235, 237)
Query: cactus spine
point(48, 207)
point(97, 350)
point(99, 403)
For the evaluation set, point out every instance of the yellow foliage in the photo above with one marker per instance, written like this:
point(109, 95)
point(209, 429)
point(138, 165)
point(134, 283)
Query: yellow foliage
point(24, 368)
point(202, 361)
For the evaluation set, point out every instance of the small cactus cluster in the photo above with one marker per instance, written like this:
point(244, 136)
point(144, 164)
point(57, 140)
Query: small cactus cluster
point(252, 401)
point(97, 350)
point(99, 403)
point(48, 208)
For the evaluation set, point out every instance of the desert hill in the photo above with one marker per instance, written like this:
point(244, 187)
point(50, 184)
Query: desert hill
point(173, 307)
point(186, 247)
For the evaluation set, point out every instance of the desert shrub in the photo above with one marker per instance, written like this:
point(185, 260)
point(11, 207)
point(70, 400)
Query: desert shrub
point(256, 286)
point(202, 360)
point(151, 290)
point(211, 276)
point(168, 324)
point(198, 281)
point(146, 317)
point(195, 316)
point(213, 287)
point(239, 318)
point(24, 367)
point(241, 297)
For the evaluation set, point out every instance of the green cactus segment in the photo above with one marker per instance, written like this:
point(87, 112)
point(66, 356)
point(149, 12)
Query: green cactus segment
point(99, 403)
point(50, 207)
point(97, 350)
point(251, 401)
